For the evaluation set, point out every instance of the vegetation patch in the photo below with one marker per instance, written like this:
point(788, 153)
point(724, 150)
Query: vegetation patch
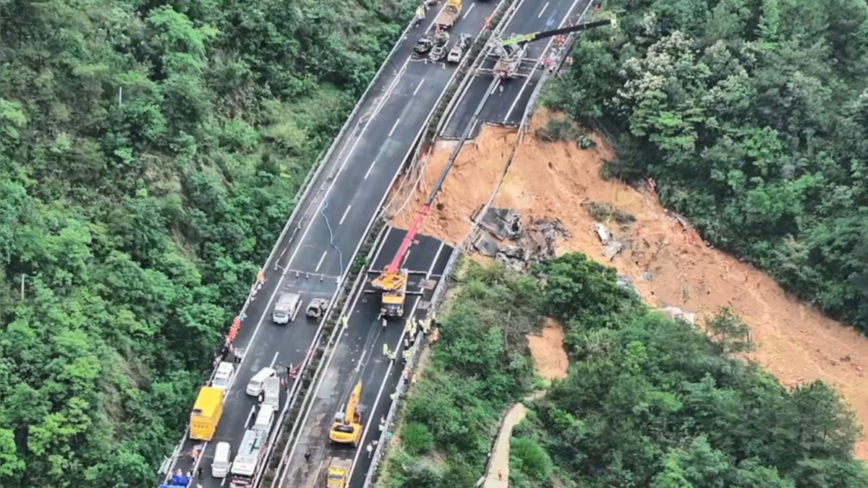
point(648, 401)
point(149, 155)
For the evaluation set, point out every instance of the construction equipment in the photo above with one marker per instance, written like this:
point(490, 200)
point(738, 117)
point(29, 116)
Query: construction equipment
point(339, 470)
point(347, 427)
point(449, 15)
point(206, 413)
point(317, 308)
point(510, 53)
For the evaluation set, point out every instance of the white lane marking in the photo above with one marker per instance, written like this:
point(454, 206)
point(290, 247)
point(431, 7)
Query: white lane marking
point(250, 417)
point(345, 160)
point(310, 405)
point(468, 11)
point(418, 86)
point(391, 364)
point(320, 261)
point(345, 214)
point(274, 360)
point(394, 126)
point(530, 76)
point(224, 478)
point(543, 10)
point(371, 167)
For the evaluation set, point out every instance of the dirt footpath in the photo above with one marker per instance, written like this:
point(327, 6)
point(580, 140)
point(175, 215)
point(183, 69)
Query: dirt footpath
point(668, 265)
point(498, 470)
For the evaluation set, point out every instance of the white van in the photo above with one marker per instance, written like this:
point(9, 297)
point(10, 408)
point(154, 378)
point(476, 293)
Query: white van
point(221, 464)
point(286, 308)
point(224, 376)
point(264, 418)
point(254, 388)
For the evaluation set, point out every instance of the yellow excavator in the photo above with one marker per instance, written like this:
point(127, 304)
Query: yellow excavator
point(347, 427)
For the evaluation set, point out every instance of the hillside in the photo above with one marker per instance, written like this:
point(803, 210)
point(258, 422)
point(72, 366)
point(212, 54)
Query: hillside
point(148, 157)
point(751, 119)
point(647, 401)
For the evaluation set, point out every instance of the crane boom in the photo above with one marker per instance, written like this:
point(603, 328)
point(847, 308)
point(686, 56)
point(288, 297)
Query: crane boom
point(535, 36)
point(408, 240)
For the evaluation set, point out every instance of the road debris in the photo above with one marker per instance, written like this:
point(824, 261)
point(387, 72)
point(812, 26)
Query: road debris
point(534, 243)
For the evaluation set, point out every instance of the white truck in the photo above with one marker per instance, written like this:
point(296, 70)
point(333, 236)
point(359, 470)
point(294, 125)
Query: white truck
point(248, 459)
point(286, 308)
point(271, 391)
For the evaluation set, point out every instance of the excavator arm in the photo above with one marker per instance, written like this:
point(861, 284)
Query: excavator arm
point(522, 39)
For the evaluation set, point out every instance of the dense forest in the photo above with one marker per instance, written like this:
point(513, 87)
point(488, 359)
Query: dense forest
point(150, 153)
point(648, 402)
point(752, 118)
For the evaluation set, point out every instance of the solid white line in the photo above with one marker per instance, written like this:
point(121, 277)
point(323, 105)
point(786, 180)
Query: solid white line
point(524, 86)
point(274, 360)
point(345, 214)
point(418, 86)
point(394, 126)
point(371, 167)
point(224, 478)
point(250, 417)
point(350, 153)
point(391, 364)
point(543, 10)
point(320, 261)
point(468, 11)
point(310, 405)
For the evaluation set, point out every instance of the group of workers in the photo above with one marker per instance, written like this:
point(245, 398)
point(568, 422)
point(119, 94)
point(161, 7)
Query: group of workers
point(410, 332)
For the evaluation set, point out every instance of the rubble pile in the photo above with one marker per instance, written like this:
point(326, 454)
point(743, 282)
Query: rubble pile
point(501, 235)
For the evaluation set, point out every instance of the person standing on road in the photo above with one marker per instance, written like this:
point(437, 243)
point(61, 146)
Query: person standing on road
point(307, 457)
point(370, 450)
point(199, 471)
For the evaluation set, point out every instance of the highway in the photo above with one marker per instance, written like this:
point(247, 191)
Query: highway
point(358, 356)
point(508, 103)
point(332, 221)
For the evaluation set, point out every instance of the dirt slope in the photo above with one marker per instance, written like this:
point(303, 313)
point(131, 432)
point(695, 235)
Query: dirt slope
point(794, 342)
point(549, 357)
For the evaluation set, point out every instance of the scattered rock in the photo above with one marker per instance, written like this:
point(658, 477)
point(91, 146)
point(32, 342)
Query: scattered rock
point(676, 313)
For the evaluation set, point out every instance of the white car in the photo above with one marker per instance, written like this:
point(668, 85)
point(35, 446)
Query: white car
point(224, 376)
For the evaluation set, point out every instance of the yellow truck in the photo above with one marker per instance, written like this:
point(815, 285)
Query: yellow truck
point(206, 413)
point(449, 15)
point(339, 470)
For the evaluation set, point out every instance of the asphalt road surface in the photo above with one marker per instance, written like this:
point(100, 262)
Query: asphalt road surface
point(335, 216)
point(507, 104)
point(359, 356)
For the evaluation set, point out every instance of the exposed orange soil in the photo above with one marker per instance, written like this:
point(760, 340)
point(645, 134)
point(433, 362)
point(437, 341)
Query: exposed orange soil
point(473, 177)
point(793, 341)
point(549, 357)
